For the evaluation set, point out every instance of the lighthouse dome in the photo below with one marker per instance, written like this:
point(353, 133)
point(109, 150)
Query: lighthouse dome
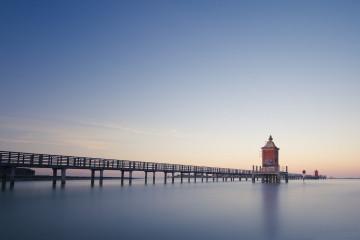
point(270, 143)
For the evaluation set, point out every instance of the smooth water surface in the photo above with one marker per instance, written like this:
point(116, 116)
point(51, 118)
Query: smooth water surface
point(232, 210)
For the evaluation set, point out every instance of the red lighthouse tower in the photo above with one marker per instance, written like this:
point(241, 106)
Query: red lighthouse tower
point(270, 156)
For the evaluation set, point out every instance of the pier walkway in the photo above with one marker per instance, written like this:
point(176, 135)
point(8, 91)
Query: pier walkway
point(12, 160)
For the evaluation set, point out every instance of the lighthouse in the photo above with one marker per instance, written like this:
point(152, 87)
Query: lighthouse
point(270, 156)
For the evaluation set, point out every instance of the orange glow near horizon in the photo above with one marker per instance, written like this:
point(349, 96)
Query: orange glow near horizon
point(331, 158)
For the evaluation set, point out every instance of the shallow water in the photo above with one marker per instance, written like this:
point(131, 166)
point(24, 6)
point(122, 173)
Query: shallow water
point(232, 210)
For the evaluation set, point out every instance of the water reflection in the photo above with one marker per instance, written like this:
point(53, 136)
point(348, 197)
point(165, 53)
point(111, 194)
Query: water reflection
point(224, 211)
point(270, 209)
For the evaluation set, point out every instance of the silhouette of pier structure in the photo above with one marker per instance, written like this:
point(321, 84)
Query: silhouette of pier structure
point(9, 161)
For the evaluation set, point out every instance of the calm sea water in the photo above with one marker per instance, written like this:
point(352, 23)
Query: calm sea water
point(233, 210)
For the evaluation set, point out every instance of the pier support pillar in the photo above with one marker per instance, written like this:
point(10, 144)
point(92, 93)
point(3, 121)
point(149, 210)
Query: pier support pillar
point(146, 177)
point(195, 177)
point(101, 178)
point(286, 178)
point(253, 178)
point(154, 174)
point(92, 177)
point(12, 177)
point(130, 177)
point(202, 178)
point(63, 177)
point(122, 177)
point(207, 177)
point(172, 177)
point(3, 179)
point(165, 177)
point(181, 177)
point(54, 177)
point(188, 177)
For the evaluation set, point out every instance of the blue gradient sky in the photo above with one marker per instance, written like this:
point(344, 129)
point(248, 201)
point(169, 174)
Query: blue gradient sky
point(198, 82)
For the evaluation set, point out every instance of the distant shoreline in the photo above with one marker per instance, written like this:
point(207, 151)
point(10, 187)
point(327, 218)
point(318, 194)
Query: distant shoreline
point(343, 177)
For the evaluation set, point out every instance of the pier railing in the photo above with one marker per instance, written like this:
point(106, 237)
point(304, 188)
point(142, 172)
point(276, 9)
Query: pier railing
point(270, 169)
point(36, 160)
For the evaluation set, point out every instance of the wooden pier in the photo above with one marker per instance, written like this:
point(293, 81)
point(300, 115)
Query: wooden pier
point(60, 163)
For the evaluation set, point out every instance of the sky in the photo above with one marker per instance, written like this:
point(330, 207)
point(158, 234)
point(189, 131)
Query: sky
point(191, 82)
